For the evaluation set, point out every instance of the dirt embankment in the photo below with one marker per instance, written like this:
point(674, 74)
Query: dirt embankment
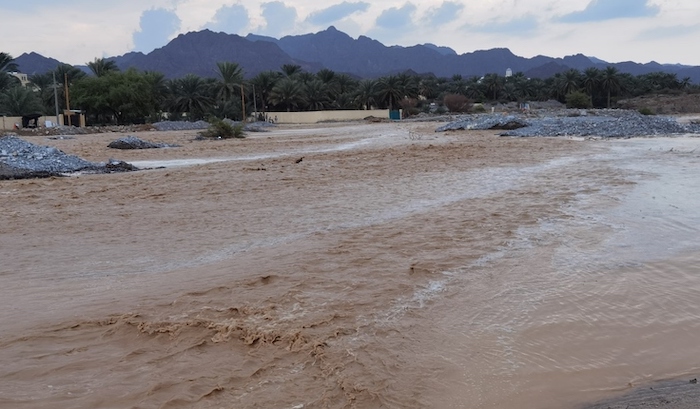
point(664, 104)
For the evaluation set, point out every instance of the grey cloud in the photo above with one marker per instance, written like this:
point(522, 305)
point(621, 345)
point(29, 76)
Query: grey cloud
point(447, 12)
point(279, 18)
point(157, 25)
point(336, 12)
point(524, 24)
point(230, 19)
point(396, 17)
point(668, 32)
point(601, 10)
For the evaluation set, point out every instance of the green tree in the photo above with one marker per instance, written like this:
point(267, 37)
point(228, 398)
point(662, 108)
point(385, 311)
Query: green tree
point(7, 63)
point(316, 95)
point(45, 85)
point(122, 97)
point(289, 70)
point(578, 99)
point(191, 96)
point(230, 80)
point(8, 81)
point(264, 83)
point(366, 93)
point(389, 91)
point(493, 83)
point(610, 82)
point(591, 81)
point(100, 66)
point(18, 101)
point(567, 82)
point(287, 93)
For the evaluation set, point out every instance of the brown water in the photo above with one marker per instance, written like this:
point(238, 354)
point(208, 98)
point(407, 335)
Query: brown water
point(451, 272)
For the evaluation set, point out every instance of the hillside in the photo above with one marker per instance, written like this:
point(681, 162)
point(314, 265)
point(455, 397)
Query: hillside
point(198, 52)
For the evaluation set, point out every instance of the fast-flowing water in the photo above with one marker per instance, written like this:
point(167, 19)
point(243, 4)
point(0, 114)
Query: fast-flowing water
point(537, 282)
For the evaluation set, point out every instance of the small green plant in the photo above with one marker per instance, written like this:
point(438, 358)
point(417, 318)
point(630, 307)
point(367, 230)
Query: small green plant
point(646, 111)
point(478, 108)
point(577, 99)
point(220, 129)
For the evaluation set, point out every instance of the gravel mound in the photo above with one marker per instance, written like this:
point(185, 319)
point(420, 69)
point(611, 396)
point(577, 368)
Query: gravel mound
point(259, 126)
point(180, 125)
point(604, 124)
point(132, 142)
point(20, 159)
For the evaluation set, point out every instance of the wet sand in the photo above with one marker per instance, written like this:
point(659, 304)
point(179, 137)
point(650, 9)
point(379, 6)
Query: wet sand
point(390, 267)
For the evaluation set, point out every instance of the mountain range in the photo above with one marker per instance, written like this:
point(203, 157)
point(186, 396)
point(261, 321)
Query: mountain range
point(198, 52)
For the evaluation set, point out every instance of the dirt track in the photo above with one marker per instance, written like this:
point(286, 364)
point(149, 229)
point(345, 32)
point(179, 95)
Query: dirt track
point(269, 282)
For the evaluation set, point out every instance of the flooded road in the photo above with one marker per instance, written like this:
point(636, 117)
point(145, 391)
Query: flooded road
point(458, 270)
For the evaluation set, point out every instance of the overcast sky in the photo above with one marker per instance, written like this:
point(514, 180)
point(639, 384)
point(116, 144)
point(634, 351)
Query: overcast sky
point(78, 31)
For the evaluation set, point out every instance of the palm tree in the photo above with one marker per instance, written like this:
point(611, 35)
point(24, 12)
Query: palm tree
point(159, 90)
point(685, 83)
point(409, 85)
point(18, 101)
point(345, 83)
point(287, 93)
point(390, 90)
point(610, 81)
point(591, 81)
point(493, 84)
point(7, 81)
point(6, 63)
point(45, 85)
point(230, 80)
point(472, 89)
point(568, 82)
point(191, 96)
point(428, 87)
point(290, 70)
point(100, 66)
point(264, 83)
point(316, 95)
point(72, 73)
point(366, 93)
point(326, 75)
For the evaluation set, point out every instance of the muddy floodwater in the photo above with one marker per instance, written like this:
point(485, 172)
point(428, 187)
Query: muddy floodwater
point(352, 266)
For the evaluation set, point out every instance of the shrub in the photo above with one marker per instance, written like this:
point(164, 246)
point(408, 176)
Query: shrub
point(577, 99)
point(457, 103)
point(479, 108)
point(646, 111)
point(222, 129)
point(409, 107)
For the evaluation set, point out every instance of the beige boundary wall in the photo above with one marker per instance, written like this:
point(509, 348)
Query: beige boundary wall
point(7, 123)
point(312, 117)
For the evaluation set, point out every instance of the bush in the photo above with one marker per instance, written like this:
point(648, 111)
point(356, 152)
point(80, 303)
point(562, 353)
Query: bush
point(222, 129)
point(479, 108)
point(457, 103)
point(646, 111)
point(409, 107)
point(577, 99)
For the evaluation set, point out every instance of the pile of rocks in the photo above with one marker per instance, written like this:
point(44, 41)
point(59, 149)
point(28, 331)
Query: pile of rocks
point(180, 125)
point(604, 124)
point(20, 159)
point(132, 142)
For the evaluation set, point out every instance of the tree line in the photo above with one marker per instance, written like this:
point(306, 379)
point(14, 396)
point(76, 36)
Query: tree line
point(111, 96)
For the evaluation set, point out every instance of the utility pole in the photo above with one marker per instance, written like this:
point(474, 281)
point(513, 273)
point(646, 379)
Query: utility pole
point(65, 85)
point(242, 103)
point(55, 95)
point(255, 105)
